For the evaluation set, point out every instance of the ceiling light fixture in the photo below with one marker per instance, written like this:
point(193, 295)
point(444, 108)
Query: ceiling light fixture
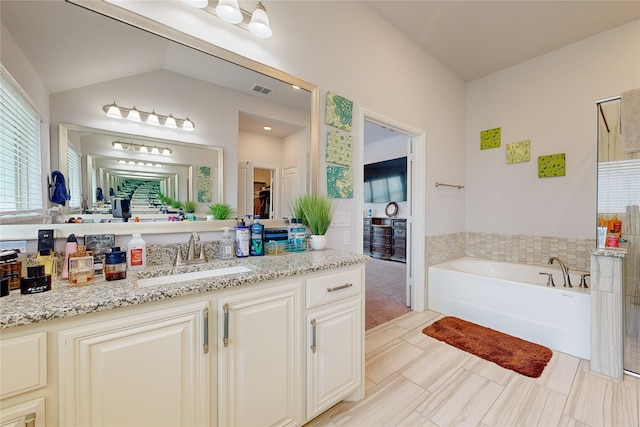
point(196, 3)
point(266, 127)
point(257, 23)
point(117, 112)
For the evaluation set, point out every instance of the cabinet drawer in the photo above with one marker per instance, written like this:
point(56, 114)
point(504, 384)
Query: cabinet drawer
point(382, 230)
point(399, 223)
point(332, 287)
point(23, 364)
point(400, 232)
point(381, 241)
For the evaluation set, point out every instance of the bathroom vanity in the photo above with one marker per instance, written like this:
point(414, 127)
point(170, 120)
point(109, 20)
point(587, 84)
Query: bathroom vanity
point(276, 345)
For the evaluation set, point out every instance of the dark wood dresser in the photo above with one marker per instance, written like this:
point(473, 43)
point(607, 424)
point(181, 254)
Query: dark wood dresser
point(385, 238)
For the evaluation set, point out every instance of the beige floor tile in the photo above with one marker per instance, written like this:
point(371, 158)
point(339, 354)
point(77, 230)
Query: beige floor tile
point(415, 419)
point(526, 403)
point(559, 374)
point(462, 401)
point(435, 366)
point(392, 400)
point(390, 358)
point(381, 336)
point(489, 370)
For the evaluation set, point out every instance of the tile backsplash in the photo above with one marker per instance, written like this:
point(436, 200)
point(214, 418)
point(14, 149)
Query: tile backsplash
point(518, 248)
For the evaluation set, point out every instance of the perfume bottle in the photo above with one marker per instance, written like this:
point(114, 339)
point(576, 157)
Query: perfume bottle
point(81, 267)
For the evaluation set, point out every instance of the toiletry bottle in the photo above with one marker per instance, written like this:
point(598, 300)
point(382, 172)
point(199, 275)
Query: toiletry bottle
point(301, 236)
point(47, 258)
point(291, 234)
point(226, 245)
point(257, 237)
point(36, 281)
point(242, 240)
point(10, 268)
point(115, 264)
point(136, 253)
point(70, 247)
point(81, 267)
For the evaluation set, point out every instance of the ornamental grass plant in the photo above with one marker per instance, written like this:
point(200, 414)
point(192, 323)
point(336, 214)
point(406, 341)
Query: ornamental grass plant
point(317, 212)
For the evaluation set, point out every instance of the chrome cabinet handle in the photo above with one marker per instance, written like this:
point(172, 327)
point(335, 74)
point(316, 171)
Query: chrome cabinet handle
point(225, 338)
point(205, 346)
point(30, 420)
point(313, 334)
point(337, 288)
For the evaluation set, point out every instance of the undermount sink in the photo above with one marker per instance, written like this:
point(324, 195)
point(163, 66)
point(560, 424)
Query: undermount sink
point(194, 275)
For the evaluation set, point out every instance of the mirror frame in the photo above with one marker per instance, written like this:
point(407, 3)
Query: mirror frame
point(151, 26)
point(63, 132)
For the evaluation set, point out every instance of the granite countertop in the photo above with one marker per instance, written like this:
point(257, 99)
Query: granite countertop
point(66, 301)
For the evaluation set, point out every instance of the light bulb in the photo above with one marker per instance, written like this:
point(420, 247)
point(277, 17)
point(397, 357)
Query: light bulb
point(155, 150)
point(153, 119)
point(259, 25)
point(196, 3)
point(143, 149)
point(117, 145)
point(229, 11)
point(171, 122)
point(188, 125)
point(114, 112)
point(134, 115)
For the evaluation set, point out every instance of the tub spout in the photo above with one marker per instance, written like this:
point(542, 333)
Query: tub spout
point(565, 270)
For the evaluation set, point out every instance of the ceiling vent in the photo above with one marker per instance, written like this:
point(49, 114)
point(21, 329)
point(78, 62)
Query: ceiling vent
point(261, 89)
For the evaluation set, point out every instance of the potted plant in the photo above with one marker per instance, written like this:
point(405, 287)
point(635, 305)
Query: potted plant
point(220, 211)
point(190, 206)
point(317, 214)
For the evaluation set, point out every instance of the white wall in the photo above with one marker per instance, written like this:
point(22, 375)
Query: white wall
point(346, 48)
point(549, 100)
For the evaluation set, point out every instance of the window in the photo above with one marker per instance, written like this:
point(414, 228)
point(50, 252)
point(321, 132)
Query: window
point(618, 185)
point(20, 157)
point(73, 180)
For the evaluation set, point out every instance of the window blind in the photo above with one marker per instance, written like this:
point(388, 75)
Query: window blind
point(73, 180)
point(20, 157)
point(618, 185)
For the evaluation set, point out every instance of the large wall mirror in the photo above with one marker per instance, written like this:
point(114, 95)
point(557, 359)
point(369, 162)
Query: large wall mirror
point(89, 60)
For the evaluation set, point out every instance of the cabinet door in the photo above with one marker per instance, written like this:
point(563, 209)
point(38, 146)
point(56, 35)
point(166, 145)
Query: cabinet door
point(259, 360)
point(334, 355)
point(144, 370)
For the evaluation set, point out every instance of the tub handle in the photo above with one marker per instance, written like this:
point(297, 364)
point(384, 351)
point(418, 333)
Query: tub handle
point(583, 281)
point(549, 279)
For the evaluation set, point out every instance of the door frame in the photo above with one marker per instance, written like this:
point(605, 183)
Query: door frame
point(416, 251)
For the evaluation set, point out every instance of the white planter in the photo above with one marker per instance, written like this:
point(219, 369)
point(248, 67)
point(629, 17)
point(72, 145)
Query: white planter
point(318, 243)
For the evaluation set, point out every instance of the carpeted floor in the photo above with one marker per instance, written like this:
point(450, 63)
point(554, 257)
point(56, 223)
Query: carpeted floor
point(385, 283)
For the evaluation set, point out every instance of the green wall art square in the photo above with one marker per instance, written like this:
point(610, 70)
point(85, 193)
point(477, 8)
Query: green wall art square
point(490, 138)
point(203, 184)
point(339, 148)
point(339, 112)
point(339, 182)
point(518, 152)
point(551, 165)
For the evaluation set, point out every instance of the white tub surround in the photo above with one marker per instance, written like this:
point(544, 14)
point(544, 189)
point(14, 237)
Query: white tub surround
point(514, 299)
point(606, 312)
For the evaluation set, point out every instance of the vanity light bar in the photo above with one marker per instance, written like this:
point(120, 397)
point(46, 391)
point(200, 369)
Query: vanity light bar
point(141, 148)
point(117, 112)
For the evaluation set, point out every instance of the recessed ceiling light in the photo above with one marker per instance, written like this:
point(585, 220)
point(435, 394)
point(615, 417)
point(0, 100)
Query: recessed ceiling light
point(295, 87)
point(266, 127)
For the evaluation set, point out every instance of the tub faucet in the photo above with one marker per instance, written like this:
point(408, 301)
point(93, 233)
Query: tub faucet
point(565, 270)
point(191, 252)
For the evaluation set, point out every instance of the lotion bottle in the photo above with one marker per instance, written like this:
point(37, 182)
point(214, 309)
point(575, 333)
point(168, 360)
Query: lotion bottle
point(257, 237)
point(242, 240)
point(136, 253)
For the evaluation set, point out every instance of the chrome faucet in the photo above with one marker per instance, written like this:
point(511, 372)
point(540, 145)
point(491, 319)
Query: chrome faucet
point(191, 252)
point(565, 270)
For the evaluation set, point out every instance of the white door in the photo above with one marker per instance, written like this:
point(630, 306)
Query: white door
point(245, 189)
point(145, 370)
point(290, 188)
point(259, 366)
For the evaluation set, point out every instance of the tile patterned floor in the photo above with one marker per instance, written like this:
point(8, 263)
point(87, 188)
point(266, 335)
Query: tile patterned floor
point(415, 380)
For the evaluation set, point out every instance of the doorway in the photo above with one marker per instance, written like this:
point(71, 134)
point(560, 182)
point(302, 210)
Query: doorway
point(386, 137)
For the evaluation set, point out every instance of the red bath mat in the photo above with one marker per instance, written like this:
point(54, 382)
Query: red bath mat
point(513, 353)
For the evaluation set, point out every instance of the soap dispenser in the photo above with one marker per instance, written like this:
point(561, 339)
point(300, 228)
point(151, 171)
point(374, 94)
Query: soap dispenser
point(226, 245)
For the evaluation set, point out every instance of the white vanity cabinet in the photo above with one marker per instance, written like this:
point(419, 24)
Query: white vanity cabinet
point(259, 357)
point(334, 339)
point(147, 369)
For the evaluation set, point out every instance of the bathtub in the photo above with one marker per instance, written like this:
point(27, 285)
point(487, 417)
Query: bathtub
point(514, 299)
